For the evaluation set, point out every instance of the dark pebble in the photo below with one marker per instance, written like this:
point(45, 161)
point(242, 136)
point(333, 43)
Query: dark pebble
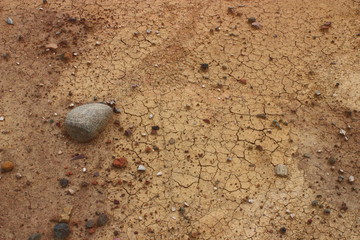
point(332, 160)
point(204, 66)
point(90, 224)
point(327, 211)
point(64, 182)
point(102, 219)
point(36, 236)
point(314, 203)
point(283, 230)
point(116, 110)
point(251, 20)
point(61, 231)
point(128, 133)
point(155, 128)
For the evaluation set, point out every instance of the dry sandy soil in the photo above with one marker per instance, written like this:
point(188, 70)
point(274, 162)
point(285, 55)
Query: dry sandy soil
point(257, 99)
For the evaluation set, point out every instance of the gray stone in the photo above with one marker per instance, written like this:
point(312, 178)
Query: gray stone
point(61, 231)
point(281, 170)
point(86, 122)
point(102, 219)
point(36, 236)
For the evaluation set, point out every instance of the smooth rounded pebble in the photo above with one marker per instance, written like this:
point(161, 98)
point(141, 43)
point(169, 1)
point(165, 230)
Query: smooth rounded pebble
point(86, 122)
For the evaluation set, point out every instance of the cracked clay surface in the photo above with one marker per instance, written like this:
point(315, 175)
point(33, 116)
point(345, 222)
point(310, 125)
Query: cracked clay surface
point(275, 95)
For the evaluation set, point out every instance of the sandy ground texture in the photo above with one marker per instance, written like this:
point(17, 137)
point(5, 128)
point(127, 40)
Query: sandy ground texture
point(287, 93)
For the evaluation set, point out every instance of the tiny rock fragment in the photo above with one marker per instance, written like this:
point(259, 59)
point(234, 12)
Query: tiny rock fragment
point(206, 121)
point(351, 179)
point(7, 166)
point(326, 26)
point(66, 214)
point(173, 209)
point(18, 175)
point(35, 236)
point(64, 182)
point(10, 21)
point(120, 162)
point(332, 160)
point(251, 20)
point(97, 43)
point(141, 168)
point(155, 128)
point(151, 116)
point(71, 191)
point(52, 46)
point(317, 93)
point(340, 178)
point(242, 81)
point(102, 219)
point(342, 132)
point(204, 66)
point(281, 170)
point(90, 223)
point(2, 118)
point(327, 211)
point(186, 204)
point(256, 25)
point(307, 155)
point(171, 141)
point(159, 174)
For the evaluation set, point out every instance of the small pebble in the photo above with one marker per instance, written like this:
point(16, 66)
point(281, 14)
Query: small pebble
point(314, 203)
point(251, 20)
point(71, 191)
point(159, 174)
point(120, 162)
point(351, 179)
point(7, 166)
point(327, 211)
point(340, 178)
point(89, 224)
point(281, 170)
point(61, 231)
point(9, 21)
point(342, 132)
point(173, 209)
point(332, 160)
point(141, 168)
point(307, 155)
point(171, 141)
point(64, 182)
point(317, 93)
point(155, 128)
point(2, 118)
point(256, 25)
point(292, 215)
point(36, 236)
point(283, 230)
point(151, 116)
point(97, 43)
point(204, 66)
point(102, 219)
point(148, 31)
point(18, 175)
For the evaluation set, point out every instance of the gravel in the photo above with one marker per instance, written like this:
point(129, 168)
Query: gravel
point(86, 122)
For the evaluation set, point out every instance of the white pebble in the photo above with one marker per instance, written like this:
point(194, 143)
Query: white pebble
point(71, 191)
point(151, 116)
point(251, 201)
point(342, 132)
point(173, 209)
point(97, 43)
point(141, 168)
point(292, 215)
point(351, 179)
point(2, 118)
point(229, 159)
point(84, 170)
point(159, 174)
point(143, 134)
point(60, 152)
point(18, 175)
point(186, 204)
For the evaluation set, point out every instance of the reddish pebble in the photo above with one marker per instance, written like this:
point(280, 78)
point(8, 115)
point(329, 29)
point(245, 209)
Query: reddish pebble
point(148, 149)
point(69, 173)
point(153, 132)
point(120, 162)
point(94, 182)
point(7, 166)
point(108, 142)
point(91, 230)
point(309, 221)
point(206, 121)
point(242, 81)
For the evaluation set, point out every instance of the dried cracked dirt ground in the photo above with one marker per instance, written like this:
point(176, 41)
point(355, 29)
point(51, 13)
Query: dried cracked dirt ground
point(253, 108)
